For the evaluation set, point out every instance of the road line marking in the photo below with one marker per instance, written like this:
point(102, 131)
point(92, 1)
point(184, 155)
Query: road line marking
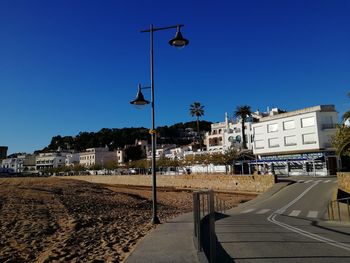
point(300, 181)
point(318, 181)
point(308, 181)
point(327, 181)
point(248, 211)
point(312, 214)
point(272, 219)
point(328, 241)
point(295, 213)
point(263, 211)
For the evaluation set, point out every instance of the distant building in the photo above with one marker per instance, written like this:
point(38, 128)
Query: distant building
point(72, 159)
point(225, 134)
point(100, 156)
point(3, 152)
point(50, 160)
point(15, 164)
point(29, 163)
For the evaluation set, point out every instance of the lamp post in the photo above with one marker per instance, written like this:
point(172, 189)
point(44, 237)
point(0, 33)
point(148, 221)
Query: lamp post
point(177, 41)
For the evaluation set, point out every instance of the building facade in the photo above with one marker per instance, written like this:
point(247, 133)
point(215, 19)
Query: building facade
point(14, 164)
point(50, 160)
point(224, 135)
point(3, 152)
point(297, 142)
point(100, 156)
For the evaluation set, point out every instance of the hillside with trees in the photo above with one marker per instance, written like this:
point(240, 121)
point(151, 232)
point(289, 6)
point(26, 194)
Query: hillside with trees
point(179, 133)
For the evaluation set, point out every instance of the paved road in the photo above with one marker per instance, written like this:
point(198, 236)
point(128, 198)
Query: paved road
point(287, 227)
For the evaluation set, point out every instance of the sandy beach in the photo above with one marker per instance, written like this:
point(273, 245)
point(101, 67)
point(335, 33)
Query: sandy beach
point(63, 220)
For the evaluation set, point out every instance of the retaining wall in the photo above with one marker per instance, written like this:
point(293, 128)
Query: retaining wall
point(344, 181)
point(244, 183)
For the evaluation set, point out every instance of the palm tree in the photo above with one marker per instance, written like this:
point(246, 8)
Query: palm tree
point(243, 112)
point(346, 115)
point(197, 110)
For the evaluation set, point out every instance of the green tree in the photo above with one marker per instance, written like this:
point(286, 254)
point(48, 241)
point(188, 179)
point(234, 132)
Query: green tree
point(197, 110)
point(243, 112)
point(341, 140)
point(346, 115)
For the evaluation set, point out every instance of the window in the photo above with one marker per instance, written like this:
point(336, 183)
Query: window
point(309, 138)
point(257, 130)
point(290, 140)
point(259, 144)
point(307, 122)
point(288, 125)
point(273, 142)
point(272, 127)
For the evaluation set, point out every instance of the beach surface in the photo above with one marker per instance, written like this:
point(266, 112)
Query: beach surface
point(65, 220)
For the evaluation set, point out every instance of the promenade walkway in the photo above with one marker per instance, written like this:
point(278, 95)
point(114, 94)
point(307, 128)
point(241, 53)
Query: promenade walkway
point(169, 242)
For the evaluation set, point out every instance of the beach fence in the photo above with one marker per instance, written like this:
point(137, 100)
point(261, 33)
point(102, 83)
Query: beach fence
point(205, 206)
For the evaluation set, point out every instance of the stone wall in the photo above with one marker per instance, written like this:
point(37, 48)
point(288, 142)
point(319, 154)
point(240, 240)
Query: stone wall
point(244, 183)
point(344, 181)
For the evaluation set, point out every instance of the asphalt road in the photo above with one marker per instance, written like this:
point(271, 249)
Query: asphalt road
point(289, 226)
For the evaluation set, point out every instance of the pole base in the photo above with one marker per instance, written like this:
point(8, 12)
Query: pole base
point(155, 221)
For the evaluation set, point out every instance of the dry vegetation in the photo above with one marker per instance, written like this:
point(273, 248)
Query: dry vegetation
point(62, 220)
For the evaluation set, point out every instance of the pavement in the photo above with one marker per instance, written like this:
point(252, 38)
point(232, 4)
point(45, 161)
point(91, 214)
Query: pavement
point(173, 241)
point(169, 242)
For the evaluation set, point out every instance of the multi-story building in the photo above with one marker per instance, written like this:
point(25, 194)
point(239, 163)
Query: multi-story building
point(297, 142)
point(228, 133)
point(3, 152)
point(100, 156)
point(14, 164)
point(29, 163)
point(72, 159)
point(50, 160)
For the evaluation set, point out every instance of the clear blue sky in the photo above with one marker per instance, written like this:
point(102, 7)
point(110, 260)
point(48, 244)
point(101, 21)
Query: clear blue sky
point(71, 66)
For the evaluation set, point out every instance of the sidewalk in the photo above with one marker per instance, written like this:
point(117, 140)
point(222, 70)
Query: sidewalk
point(169, 242)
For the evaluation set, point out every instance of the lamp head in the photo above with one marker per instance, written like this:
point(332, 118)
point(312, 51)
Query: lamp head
point(178, 41)
point(140, 99)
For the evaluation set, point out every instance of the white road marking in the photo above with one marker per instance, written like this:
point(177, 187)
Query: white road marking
point(263, 211)
point(312, 214)
point(272, 219)
point(300, 181)
point(309, 181)
point(248, 211)
point(295, 213)
point(318, 181)
point(327, 181)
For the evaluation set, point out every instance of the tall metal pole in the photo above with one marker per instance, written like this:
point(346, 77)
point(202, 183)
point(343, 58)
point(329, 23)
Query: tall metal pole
point(155, 219)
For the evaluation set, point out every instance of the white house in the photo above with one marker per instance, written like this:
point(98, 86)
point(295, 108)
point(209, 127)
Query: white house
point(14, 164)
point(100, 156)
point(225, 134)
point(50, 160)
point(72, 159)
point(297, 142)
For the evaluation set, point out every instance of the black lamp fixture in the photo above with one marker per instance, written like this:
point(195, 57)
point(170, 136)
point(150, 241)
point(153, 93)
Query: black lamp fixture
point(178, 41)
point(140, 99)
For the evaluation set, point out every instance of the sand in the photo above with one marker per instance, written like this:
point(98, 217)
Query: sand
point(63, 220)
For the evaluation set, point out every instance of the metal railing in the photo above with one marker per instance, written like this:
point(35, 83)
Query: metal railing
point(205, 205)
point(339, 210)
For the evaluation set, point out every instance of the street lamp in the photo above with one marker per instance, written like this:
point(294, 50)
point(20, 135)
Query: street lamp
point(178, 41)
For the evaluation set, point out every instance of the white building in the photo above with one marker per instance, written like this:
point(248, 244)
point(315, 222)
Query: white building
point(297, 142)
point(100, 156)
point(50, 160)
point(72, 159)
point(14, 164)
point(225, 134)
